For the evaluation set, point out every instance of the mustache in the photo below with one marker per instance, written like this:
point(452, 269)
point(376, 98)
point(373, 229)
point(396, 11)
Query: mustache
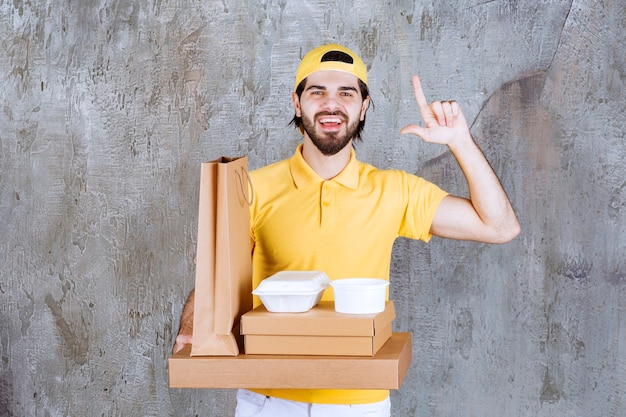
point(332, 113)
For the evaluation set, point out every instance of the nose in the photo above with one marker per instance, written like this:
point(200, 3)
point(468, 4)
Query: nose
point(331, 103)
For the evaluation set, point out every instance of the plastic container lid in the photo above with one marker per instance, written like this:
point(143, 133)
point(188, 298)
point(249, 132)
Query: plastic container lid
point(293, 282)
point(360, 284)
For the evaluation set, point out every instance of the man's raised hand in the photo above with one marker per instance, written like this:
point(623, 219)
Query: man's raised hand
point(443, 120)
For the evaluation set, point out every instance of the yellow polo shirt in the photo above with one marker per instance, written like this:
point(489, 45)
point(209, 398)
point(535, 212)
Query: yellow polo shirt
point(345, 227)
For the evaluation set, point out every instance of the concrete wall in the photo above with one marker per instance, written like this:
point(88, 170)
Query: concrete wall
point(108, 108)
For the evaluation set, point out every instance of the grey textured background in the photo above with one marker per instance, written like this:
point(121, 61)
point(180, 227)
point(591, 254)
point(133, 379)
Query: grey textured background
point(108, 108)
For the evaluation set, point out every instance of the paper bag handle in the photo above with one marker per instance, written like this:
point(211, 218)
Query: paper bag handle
point(247, 197)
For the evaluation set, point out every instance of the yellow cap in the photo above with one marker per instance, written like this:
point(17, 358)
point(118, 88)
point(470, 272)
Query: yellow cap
point(322, 58)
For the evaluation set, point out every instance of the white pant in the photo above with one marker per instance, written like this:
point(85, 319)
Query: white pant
point(251, 404)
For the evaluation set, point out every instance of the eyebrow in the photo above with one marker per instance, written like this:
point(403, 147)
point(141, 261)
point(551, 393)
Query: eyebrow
point(321, 87)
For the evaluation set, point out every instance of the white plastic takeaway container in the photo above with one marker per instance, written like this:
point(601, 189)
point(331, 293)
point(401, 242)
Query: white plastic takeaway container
point(360, 295)
point(292, 291)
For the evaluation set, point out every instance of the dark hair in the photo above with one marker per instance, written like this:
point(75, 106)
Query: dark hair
point(365, 93)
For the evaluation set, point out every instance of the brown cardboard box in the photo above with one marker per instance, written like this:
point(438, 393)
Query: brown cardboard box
point(319, 331)
point(385, 370)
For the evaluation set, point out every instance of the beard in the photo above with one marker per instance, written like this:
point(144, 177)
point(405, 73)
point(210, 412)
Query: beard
point(330, 143)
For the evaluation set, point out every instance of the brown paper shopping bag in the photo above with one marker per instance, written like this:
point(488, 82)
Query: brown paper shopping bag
point(223, 259)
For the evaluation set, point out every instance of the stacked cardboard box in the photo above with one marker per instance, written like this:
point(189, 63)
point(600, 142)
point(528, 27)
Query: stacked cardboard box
point(317, 349)
point(319, 331)
point(385, 370)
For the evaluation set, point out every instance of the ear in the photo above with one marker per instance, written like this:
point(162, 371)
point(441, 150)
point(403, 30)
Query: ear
point(364, 107)
point(296, 104)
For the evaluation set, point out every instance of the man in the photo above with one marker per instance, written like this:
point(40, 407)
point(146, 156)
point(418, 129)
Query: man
point(324, 210)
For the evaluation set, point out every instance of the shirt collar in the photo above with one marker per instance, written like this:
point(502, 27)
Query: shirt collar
point(304, 175)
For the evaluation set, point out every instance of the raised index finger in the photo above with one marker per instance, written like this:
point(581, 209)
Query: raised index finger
point(419, 95)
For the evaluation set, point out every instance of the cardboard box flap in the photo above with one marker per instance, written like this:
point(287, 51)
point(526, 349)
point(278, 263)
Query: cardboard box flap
point(321, 320)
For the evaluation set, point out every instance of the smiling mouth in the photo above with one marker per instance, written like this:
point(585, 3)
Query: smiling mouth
point(330, 121)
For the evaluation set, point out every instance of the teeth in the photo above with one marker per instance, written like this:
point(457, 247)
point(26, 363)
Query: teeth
point(330, 120)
